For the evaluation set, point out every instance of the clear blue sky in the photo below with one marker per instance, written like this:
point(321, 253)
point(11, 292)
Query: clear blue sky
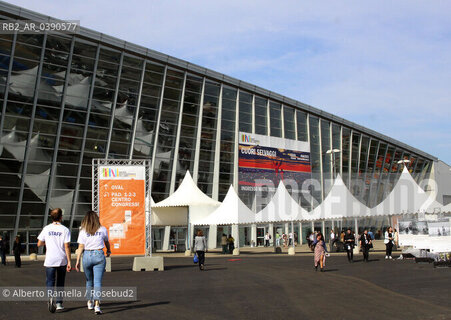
point(384, 64)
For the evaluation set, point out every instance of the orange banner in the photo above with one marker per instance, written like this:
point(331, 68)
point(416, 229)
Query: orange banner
point(122, 209)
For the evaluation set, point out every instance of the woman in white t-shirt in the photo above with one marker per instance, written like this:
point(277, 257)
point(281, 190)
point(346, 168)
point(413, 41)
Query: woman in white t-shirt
point(91, 240)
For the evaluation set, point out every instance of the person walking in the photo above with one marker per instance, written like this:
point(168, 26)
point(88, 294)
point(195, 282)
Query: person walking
point(231, 243)
point(349, 242)
point(277, 239)
point(366, 244)
point(224, 243)
point(331, 240)
point(320, 252)
point(3, 250)
point(17, 247)
point(56, 239)
point(389, 241)
point(285, 240)
point(267, 239)
point(92, 238)
point(200, 247)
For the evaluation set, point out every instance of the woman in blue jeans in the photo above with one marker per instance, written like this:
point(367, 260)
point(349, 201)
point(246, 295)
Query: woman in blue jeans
point(91, 240)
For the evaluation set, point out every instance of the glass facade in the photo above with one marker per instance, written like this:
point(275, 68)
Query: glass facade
point(66, 100)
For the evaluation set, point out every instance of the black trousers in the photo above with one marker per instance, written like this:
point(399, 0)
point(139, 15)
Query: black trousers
point(266, 243)
point(201, 256)
point(17, 259)
point(3, 255)
point(350, 254)
point(366, 253)
point(388, 249)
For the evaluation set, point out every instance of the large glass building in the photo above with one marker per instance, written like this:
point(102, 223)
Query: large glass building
point(69, 98)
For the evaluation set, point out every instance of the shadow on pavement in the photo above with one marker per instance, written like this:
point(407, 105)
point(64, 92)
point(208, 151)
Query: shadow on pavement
point(133, 306)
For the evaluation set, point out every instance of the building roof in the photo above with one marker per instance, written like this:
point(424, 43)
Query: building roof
point(25, 14)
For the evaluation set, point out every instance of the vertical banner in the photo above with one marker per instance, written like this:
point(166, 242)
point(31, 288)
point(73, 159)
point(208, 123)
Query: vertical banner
point(122, 207)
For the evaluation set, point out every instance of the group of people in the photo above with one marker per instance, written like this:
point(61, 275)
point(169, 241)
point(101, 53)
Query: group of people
point(92, 240)
point(17, 250)
point(227, 244)
point(318, 245)
point(285, 240)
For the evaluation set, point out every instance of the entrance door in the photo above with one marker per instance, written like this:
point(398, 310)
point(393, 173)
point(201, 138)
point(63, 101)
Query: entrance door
point(261, 236)
point(177, 239)
point(157, 238)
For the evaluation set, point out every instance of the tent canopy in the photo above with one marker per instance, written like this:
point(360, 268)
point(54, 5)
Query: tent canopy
point(406, 197)
point(231, 211)
point(339, 203)
point(282, 207)
point(187, 200)
point(187, 194)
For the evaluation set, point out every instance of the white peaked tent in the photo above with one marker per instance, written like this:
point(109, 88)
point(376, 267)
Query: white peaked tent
point(231, 211)
point(339, 203)
point(23, 83)
point(77, 94)
point(406, 197)
point(188, 199)
point(447, 208)
point(282, 207)
point(433, 206)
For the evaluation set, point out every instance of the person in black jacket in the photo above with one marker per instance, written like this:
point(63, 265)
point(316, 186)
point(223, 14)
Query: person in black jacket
point(3, 250)
point(349, 242)
point(17, 247)
point(366, 243)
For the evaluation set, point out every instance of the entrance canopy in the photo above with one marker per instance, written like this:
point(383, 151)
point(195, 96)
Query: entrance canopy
point(406, 197)
point(339, 203)
point(231, 211)
point(282, 207)
point(197, 204)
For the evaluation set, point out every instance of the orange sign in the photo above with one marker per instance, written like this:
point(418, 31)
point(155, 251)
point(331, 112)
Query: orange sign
point(122, 208)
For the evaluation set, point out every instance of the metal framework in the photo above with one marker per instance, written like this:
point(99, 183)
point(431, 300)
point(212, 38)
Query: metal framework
point(96, 163)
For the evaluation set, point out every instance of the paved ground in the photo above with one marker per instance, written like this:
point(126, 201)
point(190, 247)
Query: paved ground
point(255, 286)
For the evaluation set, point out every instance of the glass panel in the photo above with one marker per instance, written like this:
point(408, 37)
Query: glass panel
point(288, 121)
point(346, 140)
point(336, 135)
point(208, 137)
point(315, 154)
point(327, 158)
point(354, 161)
point(245, 116)
point(261, 115)
point(189, 126)
point(166, 138)
point(275, 119)
point(301, 119)
point(227, 140)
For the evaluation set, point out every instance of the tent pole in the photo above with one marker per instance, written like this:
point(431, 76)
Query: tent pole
point(188, 246)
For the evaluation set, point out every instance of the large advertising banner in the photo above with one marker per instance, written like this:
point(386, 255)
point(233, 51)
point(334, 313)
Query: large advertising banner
point(271, 158)
point(122, 207)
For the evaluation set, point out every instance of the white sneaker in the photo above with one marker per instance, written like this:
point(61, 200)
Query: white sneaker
point(390, 257)
point(59, 306)
point(386, 257)
point(90, 305)
point(97, 310)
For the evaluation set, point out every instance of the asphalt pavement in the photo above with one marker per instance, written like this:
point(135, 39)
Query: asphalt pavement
point(266, 286)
